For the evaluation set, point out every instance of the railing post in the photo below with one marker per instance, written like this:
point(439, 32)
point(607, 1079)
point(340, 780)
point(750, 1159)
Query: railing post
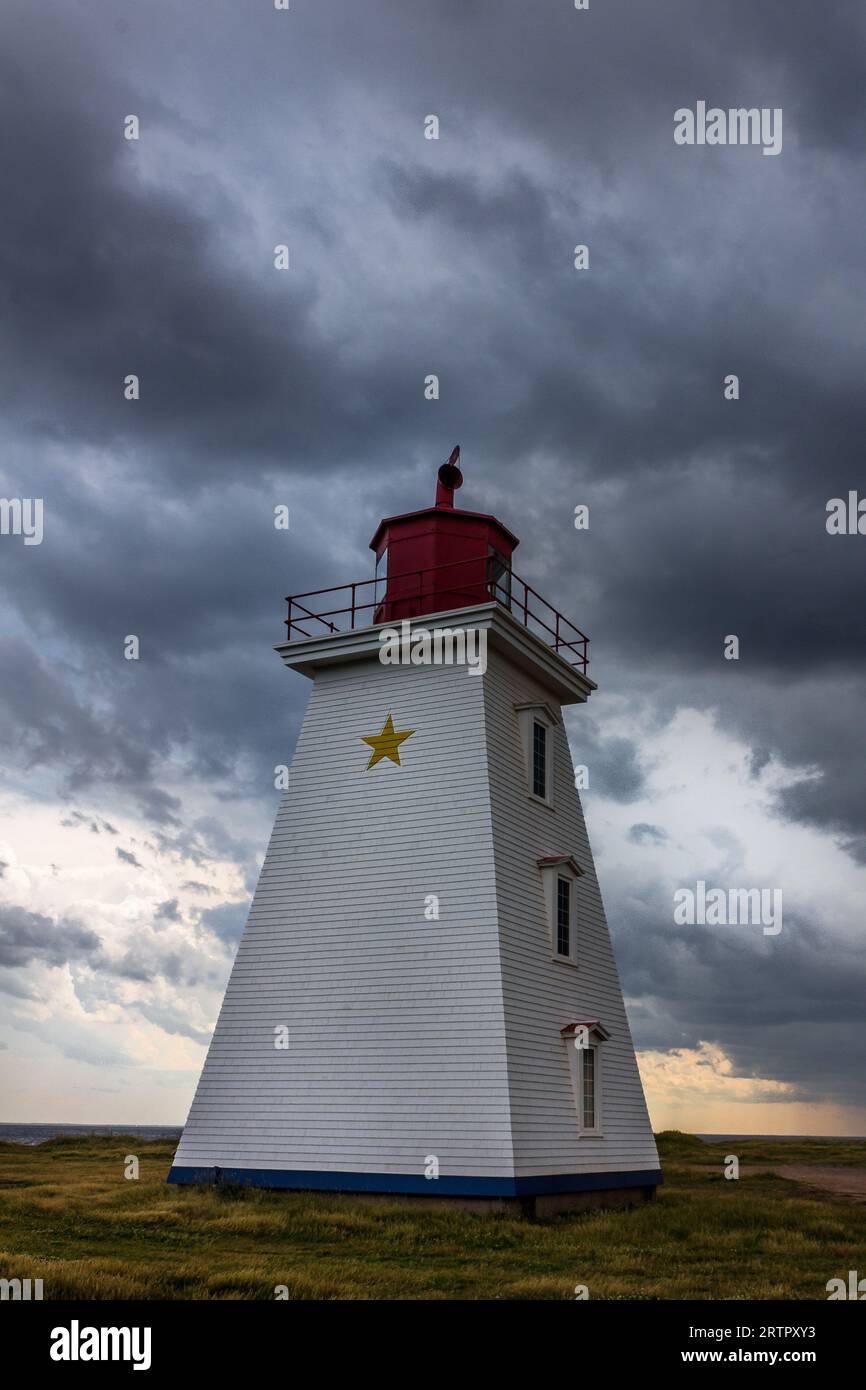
point(289, 623)
point(353, 608)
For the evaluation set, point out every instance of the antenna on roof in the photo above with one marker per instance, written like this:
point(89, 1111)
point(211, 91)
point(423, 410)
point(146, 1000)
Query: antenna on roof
point(450, 479)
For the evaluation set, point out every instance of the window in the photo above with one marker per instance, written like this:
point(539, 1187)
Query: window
point(584, 1044)
point(537, 723)
point(589, 1054)
point(563, 917)
point(539, 760)
point(499, 576)
point(381, 576)
point(559, 876)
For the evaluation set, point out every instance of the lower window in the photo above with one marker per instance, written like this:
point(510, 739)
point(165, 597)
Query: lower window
point(588, 1088)
point(584, 1043)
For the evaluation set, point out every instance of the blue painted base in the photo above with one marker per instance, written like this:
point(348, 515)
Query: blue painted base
point(399, 1183)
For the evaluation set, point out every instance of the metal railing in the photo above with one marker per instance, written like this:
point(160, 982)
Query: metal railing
point(416, 586)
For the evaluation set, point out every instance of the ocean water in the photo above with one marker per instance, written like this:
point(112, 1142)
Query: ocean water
point(37, 1134)
point(830, 1138)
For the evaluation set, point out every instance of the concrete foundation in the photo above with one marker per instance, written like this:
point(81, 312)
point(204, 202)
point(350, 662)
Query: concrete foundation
point(536, 1208)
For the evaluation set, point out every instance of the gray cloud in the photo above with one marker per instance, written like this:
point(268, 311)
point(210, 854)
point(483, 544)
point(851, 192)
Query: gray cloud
point(613, 763)
point(127, 857)
point(30, 937)
point(644, 834)
point(785, 1007)
point(707, 516)
point(95, 824)
point(226, 921)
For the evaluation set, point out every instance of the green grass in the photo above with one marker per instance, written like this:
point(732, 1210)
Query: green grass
point(69, 1217)
point(675, 1146)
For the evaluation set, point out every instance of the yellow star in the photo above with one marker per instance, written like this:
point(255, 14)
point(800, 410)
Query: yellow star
point(386, 744)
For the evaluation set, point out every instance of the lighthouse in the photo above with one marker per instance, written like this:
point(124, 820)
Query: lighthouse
point(425, 1002)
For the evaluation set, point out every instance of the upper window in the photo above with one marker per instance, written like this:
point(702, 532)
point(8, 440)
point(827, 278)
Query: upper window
point(537, 724)
point(563, 917)
point(539, 760)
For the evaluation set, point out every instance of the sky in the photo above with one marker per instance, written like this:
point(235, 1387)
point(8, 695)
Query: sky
point(137, 795)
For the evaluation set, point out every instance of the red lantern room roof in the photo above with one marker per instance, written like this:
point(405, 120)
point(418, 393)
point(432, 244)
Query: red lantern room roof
point(437, 560)
point(389, 522)
point(449, 480)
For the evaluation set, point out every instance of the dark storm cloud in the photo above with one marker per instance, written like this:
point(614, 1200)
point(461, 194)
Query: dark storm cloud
point(206, 840)
point(813, 722)
point(30, 937)
point(46, 724)
point(788, 1007)
point(226, 921)
point(132, 281)
point(613, 764)
point(455, 257)
point(496, 51)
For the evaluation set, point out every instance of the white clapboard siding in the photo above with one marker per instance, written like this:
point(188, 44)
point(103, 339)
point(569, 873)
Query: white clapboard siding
point(541, 994)
point(397, 1046)
point(411, 1037)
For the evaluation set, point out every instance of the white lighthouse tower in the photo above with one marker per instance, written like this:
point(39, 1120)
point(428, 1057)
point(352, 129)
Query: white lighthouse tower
point(425, 999)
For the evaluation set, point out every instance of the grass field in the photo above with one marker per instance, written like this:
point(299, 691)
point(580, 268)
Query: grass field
point(69, 1217)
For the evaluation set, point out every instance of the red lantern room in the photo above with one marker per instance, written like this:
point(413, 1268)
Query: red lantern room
point(440, 558)
point(435, 561)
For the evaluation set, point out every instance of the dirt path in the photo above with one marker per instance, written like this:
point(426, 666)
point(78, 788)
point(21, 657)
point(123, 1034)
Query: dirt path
point(845, 1184)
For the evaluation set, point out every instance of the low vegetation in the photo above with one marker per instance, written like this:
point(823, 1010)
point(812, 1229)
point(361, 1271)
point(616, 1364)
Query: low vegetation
point(70, 1217)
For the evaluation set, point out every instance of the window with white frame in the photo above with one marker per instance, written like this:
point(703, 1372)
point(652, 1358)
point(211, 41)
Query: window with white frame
point(585, 1045)
point(539, 759)
point(537, 725)
point(559, 877)
point(563, 917)
point(588, 1096)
